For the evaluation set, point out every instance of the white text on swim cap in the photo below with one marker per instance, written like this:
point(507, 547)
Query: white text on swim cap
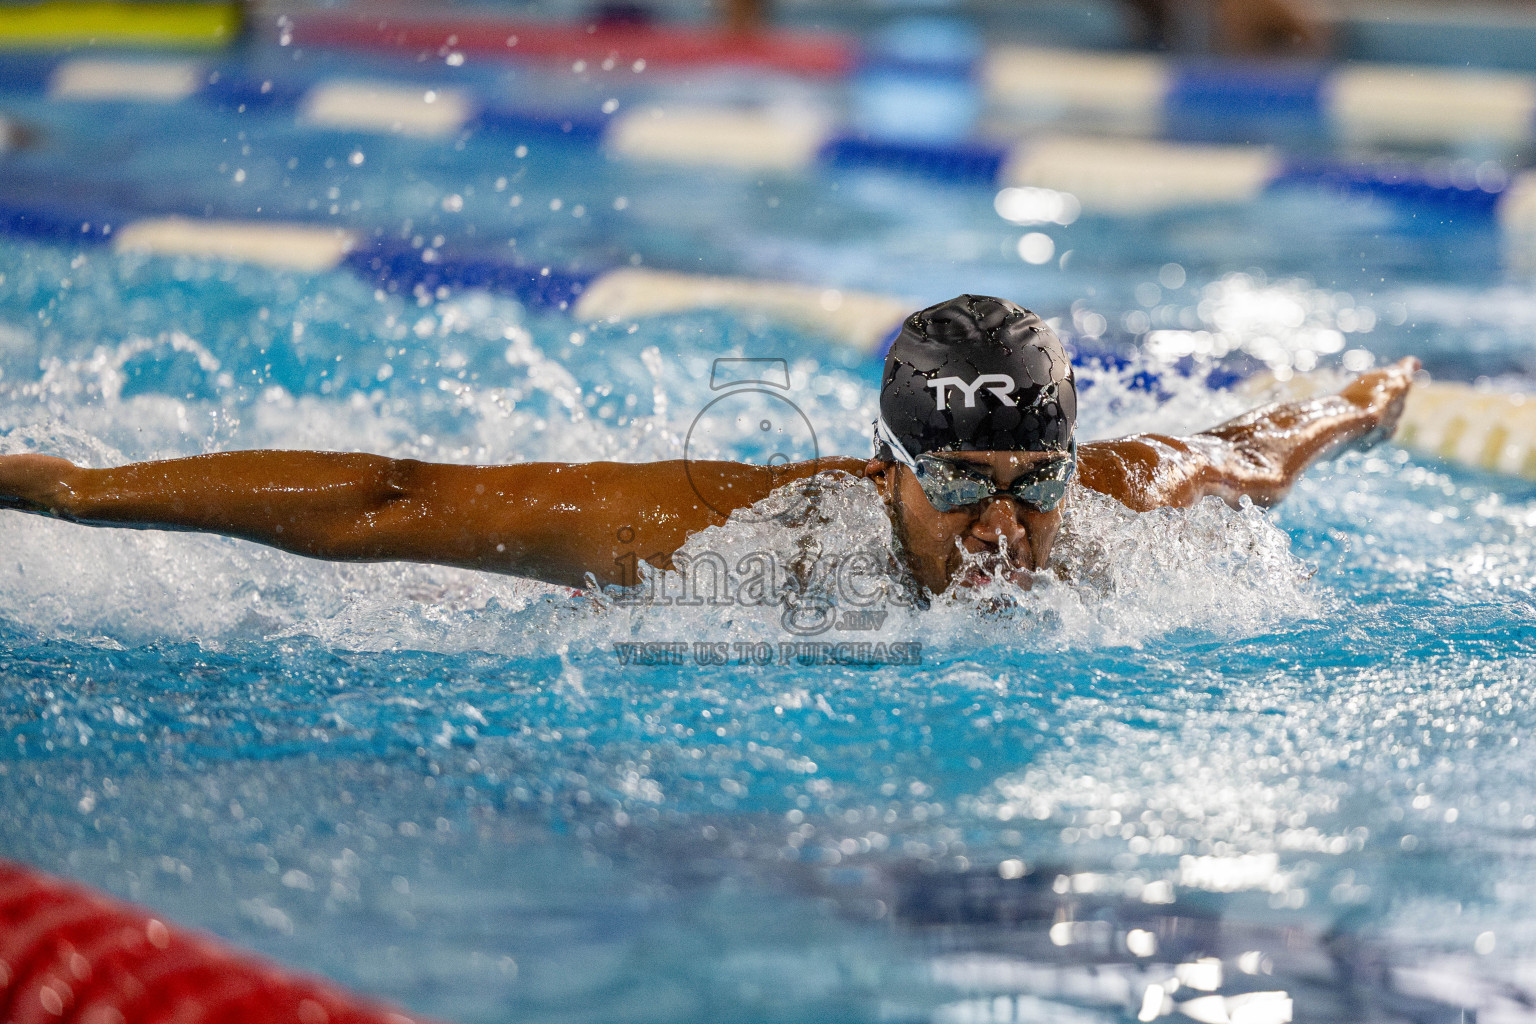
point(1000, 384)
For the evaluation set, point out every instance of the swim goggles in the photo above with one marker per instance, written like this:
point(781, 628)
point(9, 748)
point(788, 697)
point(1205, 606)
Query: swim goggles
point(951, 485)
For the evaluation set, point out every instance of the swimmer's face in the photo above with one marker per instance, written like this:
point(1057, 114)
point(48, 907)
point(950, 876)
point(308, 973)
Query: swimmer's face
point(999, 527)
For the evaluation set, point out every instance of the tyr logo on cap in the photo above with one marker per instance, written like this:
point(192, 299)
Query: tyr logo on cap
point(1000, 384)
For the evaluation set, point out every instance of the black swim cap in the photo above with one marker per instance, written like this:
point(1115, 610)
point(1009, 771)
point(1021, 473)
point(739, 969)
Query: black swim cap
point(977, 374)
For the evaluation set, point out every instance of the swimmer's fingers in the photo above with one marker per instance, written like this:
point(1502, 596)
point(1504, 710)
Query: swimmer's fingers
point(1382, 387)
point(33, 483)
point(1383, 393)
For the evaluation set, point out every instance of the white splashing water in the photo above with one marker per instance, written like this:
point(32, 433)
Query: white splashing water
point(1119, 578)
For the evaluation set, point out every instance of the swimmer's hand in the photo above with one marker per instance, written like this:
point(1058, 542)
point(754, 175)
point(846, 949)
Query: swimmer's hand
point(1381, 394)
point(35, 483)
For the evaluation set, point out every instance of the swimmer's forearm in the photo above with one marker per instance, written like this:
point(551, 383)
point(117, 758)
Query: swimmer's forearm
point(1258, 455)
point(1262, 453)
point(259, 495)
point(336, 506)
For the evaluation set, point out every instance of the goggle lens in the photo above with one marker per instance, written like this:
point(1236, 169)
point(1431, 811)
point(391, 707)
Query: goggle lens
point(950, 486)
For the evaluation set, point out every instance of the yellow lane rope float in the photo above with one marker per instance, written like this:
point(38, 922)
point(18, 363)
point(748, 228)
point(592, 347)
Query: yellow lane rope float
point(46, 26)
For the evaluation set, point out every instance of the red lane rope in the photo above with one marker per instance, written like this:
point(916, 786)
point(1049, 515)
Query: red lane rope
point(669, 47)
point(72, 956)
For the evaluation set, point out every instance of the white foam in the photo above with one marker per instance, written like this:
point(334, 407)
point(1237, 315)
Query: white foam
point(1116, 578)
point(1128, 578)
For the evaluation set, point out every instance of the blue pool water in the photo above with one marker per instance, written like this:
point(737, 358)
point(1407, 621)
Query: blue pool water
point(1296, 741)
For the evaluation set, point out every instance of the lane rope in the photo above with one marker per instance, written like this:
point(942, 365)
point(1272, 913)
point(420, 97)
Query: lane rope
point(69, 955)
point(1112, 176)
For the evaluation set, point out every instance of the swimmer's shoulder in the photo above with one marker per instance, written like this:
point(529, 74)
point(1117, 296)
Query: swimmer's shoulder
point(837, 464)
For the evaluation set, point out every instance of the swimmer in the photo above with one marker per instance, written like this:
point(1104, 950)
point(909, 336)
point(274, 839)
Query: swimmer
point(975, 445)
point(1248, 27)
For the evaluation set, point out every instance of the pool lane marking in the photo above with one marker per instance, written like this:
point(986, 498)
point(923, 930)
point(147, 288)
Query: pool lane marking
point(1432, 105)
point(1144, 95)
point(290, 246)
point(1448, 420)
point(387, 107)
point(1517, 222)
point(762, 140)
point(124, 963)
point(607, 45)
point(99, 78)
point(1127, 90)
point(1128, 176)
point(862, 320)
point(1492, 430)
point(1360, 101)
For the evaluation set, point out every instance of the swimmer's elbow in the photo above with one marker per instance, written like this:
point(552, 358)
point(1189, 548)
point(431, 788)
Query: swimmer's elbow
point(1233, 472)
point(364, 522)
point(401, 480)
point(1151, 471)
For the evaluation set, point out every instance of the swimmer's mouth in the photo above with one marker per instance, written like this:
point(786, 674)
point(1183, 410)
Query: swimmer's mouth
point(980, 569)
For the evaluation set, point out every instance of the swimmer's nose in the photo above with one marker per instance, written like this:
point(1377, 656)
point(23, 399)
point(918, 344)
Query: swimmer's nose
point(998, 525)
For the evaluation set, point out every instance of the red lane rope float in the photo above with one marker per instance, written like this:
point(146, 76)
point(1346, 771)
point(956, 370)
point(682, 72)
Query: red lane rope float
point(668, 47)
point(72, 956)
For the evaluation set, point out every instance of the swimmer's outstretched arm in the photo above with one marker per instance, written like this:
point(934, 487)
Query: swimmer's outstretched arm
point(550, 521)
point(1259, 454)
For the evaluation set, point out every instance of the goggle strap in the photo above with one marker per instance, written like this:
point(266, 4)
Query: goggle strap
point(887, 436)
